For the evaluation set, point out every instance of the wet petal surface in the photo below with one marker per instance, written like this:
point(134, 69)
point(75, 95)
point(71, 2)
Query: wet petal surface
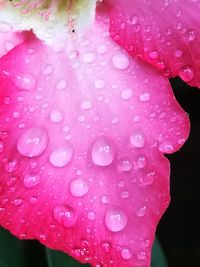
point(166, 34)
point(82, 137)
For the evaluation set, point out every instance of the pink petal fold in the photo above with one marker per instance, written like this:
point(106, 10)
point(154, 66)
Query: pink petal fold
point(82, 137)
point(166, 34)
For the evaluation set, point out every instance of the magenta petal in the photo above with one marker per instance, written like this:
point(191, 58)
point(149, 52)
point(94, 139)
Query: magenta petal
point(82, 137)
point(166, 34)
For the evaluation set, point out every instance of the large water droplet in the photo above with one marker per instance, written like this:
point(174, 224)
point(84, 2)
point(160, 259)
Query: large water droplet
point(103, 151)
point(33, 142)
point(31, 180)
point(137, 138)
point(120, 61)
point(61, 156)
point(115, 219)
point(65, 215)
point(186, 74)
point(79, 187)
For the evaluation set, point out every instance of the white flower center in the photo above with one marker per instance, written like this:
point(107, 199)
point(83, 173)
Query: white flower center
point(50, 20)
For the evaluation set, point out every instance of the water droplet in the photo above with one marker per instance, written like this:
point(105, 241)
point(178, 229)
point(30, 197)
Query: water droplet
point(178, 53)
point(105, 246)
point(148, 179)
point(79, 187)
point(141, 161)
point(105, 199)
point(137, 138)
point(26, 82)
point(88, 57)
point(11, 166)
point(126, 94)
point(33, 200)
point(91, 215)
point(120, 61)
point(124, 194)
point(17, 202)
point(125, 164)
point(102, 49)
point(65, 215)
point(142, 211)
point(186, 74)
point(103, 151)
point(153, 54)
point(56, 116)
point(126, 253)
point(142, 255)
point(61, 156)
point(33, 142)
point(61, 84)
point(86, 104)
point(166, 147)
point(115, 219)
point(134, 20)
point(31, 180)
point(190, 36)
point(99, 84)
point(2, 147)
point(145, 97)
point(48, 69)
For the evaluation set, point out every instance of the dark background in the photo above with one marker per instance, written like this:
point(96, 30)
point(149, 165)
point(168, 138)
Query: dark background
point(179, 229)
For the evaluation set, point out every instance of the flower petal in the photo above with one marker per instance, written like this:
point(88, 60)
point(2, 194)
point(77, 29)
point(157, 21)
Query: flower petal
point(83, 134)
point(9, 38)
point(166, 34)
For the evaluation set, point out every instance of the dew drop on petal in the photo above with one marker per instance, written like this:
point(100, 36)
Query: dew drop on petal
point(61, 156)
point(145, 97)
point(2, 147)
point(120, 61)
point(88, 57)
point(11, 166)
point(65, 215)
point(126, 94)
point(137, 138)
point(79, 187)
point(61, 84)
point(125, 164)
point(186, 74)
point(86, 104)
point(91, 215)
point(27, 82)
point(56, 116)
point(115, 219)
point(31, 180)
point(99, 84)
point(141, 161)
point(126, 253)
point(33, 142)
point(103, 151)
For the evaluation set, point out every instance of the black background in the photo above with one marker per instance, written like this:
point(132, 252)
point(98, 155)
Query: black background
point(179, 229)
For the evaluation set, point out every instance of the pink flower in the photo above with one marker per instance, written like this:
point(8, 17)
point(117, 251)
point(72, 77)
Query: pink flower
point(84, 126)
